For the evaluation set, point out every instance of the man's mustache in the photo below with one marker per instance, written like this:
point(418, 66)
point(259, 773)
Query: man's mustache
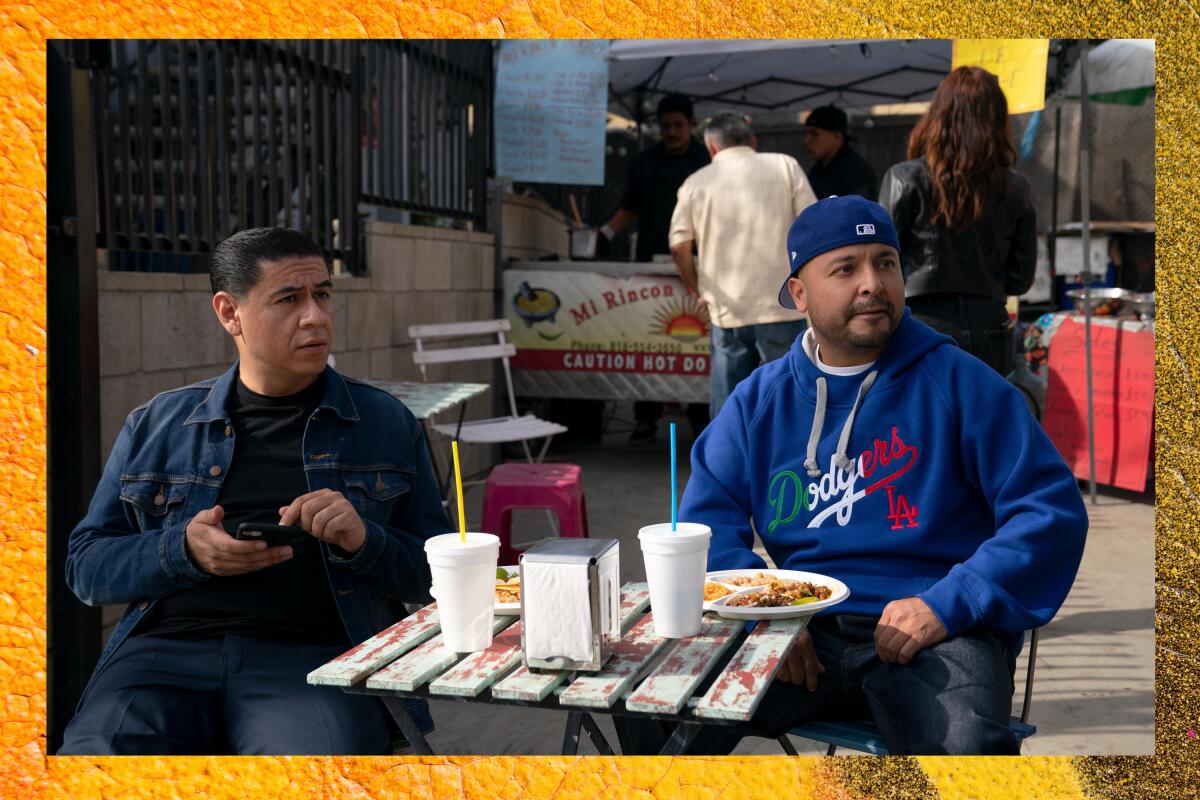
point(878, 304)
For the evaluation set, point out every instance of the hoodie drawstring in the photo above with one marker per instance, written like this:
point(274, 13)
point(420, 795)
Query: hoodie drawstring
point(839, 459)
point(810, 463)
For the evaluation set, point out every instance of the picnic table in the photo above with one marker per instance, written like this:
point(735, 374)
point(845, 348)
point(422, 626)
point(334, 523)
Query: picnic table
point(646, 676)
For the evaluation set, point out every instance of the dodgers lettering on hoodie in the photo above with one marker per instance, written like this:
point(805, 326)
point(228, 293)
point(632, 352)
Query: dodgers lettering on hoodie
point(925, 476)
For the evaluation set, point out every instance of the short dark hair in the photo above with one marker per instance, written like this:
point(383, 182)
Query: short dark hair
point(235, 263)
point(678, 103)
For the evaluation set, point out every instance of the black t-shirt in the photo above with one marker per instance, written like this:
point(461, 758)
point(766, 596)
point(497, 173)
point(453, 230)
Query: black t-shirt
point(291, 600)
point(846, 173)
point(654, 180)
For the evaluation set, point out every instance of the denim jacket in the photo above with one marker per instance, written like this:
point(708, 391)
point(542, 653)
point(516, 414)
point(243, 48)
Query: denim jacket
point(169, 462)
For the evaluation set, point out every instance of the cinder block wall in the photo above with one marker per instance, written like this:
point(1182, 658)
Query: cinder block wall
point(532, 230)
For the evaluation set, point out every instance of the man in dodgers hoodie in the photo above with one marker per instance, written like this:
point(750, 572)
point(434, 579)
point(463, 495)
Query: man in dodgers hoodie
point(879, 453)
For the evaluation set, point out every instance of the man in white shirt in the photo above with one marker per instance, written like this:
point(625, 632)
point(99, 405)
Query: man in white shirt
point(735, 212)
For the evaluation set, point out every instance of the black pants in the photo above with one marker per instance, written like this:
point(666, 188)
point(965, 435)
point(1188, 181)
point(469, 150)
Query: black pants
point(981, 326)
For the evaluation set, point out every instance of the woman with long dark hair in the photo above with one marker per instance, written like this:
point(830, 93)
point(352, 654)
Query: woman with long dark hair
point(967, 228)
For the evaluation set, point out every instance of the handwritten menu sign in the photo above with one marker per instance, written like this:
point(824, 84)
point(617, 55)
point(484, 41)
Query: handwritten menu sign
point(1019, 64)
point(551, 97)
point(1122, 400)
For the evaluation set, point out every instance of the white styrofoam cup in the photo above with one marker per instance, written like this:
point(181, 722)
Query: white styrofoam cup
point(464, 585)
point(675, 564)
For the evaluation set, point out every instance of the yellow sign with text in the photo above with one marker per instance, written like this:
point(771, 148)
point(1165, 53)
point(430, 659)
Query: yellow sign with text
point(1020, 64)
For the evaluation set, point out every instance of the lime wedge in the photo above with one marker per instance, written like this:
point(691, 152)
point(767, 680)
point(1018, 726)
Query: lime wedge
point(803, 601)
point(501, 574)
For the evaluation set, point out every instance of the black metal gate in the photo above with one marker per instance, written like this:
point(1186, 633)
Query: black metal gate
point(198, 139)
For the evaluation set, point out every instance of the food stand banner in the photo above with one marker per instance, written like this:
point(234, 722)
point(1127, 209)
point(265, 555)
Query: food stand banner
point(590, 334)
point(551, 108)
point(1122, 398)
point(602, 323)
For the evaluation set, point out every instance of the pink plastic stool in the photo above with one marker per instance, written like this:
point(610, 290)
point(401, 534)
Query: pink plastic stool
point(557, 487)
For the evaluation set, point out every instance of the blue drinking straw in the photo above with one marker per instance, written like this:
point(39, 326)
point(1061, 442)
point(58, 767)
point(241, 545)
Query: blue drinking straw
point(674, 504)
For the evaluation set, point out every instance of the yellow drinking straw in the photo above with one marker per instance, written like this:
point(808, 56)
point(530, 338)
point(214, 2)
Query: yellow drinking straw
point(462, 513)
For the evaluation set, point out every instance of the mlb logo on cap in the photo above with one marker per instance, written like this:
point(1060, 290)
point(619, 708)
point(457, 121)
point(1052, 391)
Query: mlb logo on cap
point(865, 230)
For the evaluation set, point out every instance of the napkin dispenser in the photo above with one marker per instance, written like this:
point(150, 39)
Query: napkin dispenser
point(570, 603)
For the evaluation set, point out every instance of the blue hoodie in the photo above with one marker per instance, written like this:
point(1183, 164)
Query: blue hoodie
point(927, 476)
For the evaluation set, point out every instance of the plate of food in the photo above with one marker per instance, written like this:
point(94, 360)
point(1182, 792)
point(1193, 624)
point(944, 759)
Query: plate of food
point(724, 582)
point(508, 590)
point(773, 594)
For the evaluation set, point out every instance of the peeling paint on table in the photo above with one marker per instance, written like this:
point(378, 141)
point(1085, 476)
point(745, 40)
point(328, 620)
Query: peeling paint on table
point(425, 662)
point(736, 694)
point(480, 670)
point(677, 676)
point(380, 650)
point(602, 689)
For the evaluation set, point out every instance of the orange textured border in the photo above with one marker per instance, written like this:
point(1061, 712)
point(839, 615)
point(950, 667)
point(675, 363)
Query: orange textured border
point(25, 771)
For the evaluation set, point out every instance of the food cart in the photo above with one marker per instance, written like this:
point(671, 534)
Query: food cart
point(604, 330)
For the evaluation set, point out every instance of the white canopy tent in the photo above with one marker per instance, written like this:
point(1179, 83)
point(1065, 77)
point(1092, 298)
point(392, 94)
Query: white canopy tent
point(1119, 71)
point(768, 75)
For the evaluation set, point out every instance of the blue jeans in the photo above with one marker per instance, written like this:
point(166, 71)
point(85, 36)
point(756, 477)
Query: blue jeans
point(952, 698)
point(736, 352)
point(226, 694)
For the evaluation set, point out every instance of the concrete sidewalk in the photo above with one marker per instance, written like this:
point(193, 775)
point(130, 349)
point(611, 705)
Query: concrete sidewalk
point(1094, 684)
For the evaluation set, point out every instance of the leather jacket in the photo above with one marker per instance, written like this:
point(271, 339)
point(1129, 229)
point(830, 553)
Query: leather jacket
point(994, 257)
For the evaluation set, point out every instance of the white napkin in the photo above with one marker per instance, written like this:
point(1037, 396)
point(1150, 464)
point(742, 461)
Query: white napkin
point(558, 614)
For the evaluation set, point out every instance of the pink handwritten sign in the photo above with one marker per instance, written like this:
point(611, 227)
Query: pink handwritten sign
point(1122, 399)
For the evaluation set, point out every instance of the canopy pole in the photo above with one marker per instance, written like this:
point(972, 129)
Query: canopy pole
point(1085, 203)
point(1054, 190)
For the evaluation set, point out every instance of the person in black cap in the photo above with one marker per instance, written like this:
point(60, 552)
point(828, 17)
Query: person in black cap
point(836, 169)
point(649, 200)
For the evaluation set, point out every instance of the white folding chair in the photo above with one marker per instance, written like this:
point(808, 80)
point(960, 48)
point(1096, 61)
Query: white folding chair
point(498, 430)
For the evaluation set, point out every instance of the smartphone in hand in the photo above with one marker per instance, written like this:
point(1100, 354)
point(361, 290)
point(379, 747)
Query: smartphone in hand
point(273, 535)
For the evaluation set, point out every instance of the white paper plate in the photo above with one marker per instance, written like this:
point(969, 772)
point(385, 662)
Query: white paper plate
point(509, 608)
point(721, 577)
point(840, 593)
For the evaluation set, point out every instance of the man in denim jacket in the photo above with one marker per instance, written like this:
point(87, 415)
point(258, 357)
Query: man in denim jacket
point(212, 653)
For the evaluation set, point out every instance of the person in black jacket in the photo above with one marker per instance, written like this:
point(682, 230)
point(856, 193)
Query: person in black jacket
point(836, 168)
point(967, 228)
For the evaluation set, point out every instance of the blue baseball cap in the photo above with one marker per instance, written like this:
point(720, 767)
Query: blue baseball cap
point(832, 223)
